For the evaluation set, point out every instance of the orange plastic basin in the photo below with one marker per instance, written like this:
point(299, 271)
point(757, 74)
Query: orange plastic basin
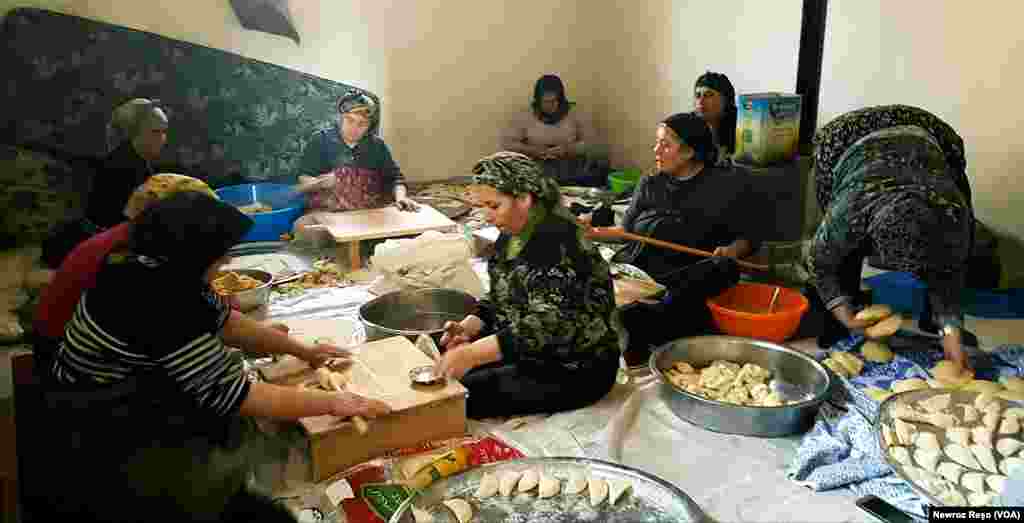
point(742, 311)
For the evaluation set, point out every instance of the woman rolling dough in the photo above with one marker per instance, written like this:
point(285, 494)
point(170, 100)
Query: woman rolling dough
point(542, 341)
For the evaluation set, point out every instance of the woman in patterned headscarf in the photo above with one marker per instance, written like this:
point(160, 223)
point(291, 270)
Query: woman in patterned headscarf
point(347, 166)
point(542, 340)
point(553, 133)
point(136, 134)
point(892, 182)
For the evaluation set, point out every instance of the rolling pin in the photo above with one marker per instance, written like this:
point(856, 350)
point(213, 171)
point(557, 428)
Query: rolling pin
point(336, 382)
point(609, 232)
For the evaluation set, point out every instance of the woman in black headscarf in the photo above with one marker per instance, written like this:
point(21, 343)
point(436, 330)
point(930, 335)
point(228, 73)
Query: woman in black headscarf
point(152, 404)
point(553, 134)
point(714, 100)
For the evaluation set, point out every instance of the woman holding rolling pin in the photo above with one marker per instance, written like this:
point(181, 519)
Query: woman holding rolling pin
point(689, 201)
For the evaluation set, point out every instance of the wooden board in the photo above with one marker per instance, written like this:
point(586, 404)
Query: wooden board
point(386, 222)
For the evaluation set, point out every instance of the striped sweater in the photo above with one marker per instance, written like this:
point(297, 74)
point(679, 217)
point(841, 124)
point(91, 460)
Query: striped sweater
point(95, 351)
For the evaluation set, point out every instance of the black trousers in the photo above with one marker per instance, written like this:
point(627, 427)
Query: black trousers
point(498, 390)
point(683, 312)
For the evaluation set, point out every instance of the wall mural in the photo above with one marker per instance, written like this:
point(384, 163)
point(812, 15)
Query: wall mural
point(269, 16)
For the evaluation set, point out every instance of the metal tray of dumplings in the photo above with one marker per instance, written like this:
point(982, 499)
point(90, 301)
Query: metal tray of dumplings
point(649, 499)
point(912, 398)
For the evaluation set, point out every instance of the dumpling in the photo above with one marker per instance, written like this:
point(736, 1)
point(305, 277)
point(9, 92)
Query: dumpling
point(616, 488)
point(936, 403)
point(970, 413)
point(941, 419)
point(983, 400)
point(508, 483)
point(927, 441)
point(959, 435)
point(1009, 425)
point(986, 457)
point(980, 499)
point(577, 482)
point(904, 432)
point(950, 471)
point(853, 364)
point(1009, 465)
point(905, 412)
point(461, 508)
point(874, 313)
point(982, 435)
point(876, 352)
point(996, 483)
point(991, 420)
point(1008, 446)
point(951, 497)
point(900, 454)
point(884, 328)
point(421, 516)
point(889, 435)
point(529, 480)
point(908, 384)
point(982, 386)
point(548, 487)
point(962, 455)
point(928, 459)
point(973, 481)
point(598, 490)
point(1016, 412)
point(488, 486)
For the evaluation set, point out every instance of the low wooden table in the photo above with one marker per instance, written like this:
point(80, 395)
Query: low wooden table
point(349, 228)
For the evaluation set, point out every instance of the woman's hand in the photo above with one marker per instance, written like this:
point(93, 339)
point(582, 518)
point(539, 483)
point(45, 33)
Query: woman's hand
point(602, 233)
point(407, 204)
point(460, 359)
point(845, 315)
point(347, 404)
point(318, 354)
point(463, 332)
point(280, 327)
point(554, 152)
point(952, 347)
point(727, 251)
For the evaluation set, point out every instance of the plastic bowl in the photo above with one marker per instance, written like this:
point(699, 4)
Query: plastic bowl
point(271, 225)
point(729, 311)
point(622, 181)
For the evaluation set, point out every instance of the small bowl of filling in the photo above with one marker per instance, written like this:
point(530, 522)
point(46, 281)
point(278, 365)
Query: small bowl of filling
point(245, 289)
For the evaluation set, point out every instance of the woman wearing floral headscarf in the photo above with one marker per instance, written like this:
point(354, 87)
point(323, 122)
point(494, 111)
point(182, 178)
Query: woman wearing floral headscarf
point(542, 340)
point(714, 100)
point(136, 135)
point(347, 167)
point(892, 181)
point(552, 132)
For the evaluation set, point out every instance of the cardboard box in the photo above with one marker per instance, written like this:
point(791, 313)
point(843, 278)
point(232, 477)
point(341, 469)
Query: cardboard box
point(381, 371)
point(767, 128)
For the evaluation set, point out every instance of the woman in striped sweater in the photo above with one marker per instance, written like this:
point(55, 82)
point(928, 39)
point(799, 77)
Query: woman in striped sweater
point(155, 408)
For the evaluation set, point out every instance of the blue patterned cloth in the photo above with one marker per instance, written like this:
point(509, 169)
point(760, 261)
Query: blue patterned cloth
point(841, 450)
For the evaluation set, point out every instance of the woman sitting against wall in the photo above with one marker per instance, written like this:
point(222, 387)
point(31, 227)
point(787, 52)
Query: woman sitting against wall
point(714, 100)
point(136, 135)
point(553, 134)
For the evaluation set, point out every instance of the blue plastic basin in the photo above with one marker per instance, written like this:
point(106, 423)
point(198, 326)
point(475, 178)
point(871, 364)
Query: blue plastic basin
point(271, 225)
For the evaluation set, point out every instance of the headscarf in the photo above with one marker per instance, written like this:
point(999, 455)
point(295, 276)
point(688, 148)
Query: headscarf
point(183, 235)
point(129, 119)
point(833, 140)
point(355, 99)
point(517, 174)
point(550, 83)
point(691, 129)
point(727, 127)
point(160, 186)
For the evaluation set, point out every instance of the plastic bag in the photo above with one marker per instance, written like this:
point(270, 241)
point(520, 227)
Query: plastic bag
point(431, 260)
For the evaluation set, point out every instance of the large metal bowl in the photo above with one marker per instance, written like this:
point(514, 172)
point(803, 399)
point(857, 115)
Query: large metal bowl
point(796, 371)
point(252, 299)
point(410, 313)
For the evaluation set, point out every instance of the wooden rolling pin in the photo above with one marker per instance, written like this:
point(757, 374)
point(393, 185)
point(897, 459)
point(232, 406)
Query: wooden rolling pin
point(335, 381)
point(609, 232)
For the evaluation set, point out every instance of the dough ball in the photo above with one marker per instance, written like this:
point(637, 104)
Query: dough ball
point(853, 364)
point(884, 328)
point(874, 313)
point(876, 352)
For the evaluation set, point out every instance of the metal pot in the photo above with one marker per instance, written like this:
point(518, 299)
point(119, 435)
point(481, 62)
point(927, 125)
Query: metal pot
point(795, 370)
point(252, 299)
point(410, 313)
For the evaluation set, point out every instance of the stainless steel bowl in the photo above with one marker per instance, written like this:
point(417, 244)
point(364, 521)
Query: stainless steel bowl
point(410, 313)
point(256, 297)
point(792, 369)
